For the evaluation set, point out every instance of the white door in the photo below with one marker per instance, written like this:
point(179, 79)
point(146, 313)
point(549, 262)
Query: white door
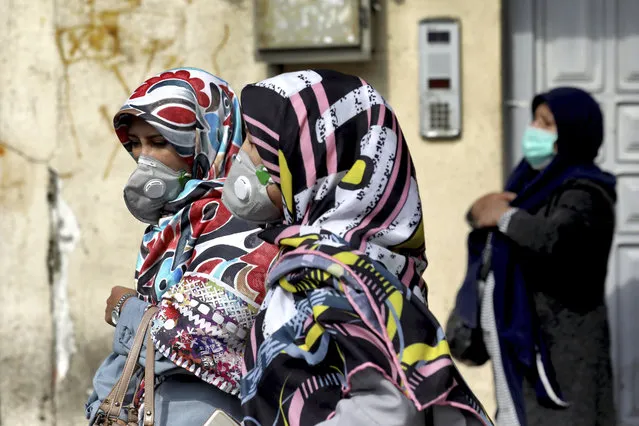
point(594, 45)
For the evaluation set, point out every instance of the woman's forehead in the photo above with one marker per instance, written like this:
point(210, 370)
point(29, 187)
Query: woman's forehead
point(543, 108)
point(139, 127)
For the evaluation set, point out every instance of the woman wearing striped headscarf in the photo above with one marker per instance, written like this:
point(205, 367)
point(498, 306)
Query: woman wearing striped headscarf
point(203, 268)
point(344, 335)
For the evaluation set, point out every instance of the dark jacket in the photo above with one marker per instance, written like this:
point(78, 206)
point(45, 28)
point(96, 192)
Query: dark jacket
point(566, 243)
point(564, 248)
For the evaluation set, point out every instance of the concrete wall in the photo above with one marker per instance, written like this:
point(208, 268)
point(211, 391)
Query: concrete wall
point(65, 68)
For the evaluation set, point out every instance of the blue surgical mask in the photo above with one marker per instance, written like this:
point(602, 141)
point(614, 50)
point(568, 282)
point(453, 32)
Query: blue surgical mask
point(538, 147)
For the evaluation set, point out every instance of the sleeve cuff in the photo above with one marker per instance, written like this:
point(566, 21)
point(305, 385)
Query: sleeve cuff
point(504, 220)
point(130, 317)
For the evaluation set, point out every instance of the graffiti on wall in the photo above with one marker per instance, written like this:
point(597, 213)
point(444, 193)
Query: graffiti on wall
point(98, 38)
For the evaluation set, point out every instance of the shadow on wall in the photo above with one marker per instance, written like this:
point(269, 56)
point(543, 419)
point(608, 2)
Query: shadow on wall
point(374, 71)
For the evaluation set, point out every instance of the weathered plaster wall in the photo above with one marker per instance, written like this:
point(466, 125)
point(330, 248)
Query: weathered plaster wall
point(65, 69)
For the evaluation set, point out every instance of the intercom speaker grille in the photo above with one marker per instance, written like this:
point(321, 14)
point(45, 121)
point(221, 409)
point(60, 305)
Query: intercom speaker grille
point(439, 64)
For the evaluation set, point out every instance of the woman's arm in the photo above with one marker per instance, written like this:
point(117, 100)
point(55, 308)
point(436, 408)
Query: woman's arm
point(104, 379)
point(580, 209)
point(129, 321)
point(111, 368)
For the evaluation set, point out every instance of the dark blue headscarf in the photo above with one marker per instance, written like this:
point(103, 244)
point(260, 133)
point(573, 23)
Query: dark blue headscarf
point(580, 130)
point(580, 134)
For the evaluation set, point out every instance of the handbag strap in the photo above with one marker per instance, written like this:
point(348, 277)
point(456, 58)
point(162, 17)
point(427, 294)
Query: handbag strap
point(112, 404)
point(149, 382)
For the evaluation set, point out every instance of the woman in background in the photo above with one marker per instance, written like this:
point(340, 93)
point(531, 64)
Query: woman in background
point(538, 258)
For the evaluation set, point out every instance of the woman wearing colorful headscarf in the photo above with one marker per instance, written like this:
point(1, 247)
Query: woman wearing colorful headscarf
point(538, 259)
point(202, 267)
point(345, 336)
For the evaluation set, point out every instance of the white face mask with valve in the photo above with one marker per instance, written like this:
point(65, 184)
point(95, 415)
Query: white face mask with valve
point(150, 187)
point(245, 192)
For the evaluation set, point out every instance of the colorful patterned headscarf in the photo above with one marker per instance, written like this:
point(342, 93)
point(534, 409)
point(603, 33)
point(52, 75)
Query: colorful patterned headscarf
point(353, 255)
point(196, 112)
point(204, 268)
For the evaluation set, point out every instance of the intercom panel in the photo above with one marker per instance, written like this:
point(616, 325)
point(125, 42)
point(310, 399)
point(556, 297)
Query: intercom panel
point(439, 78)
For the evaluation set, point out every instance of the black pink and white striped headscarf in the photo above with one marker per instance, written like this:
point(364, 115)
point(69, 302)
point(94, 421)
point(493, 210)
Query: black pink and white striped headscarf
point(358, 180)
point(347, 288)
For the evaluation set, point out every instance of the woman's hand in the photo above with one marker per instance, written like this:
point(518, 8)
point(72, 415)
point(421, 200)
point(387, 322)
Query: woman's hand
point(487, 210)
point(116, 293)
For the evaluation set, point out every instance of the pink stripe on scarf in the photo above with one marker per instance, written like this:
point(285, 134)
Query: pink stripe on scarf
point(295, 408)
point(331, 150)
point(434, 367)
point(368, 111)
point(397, 208)
point(261, 126)
point(410, 271)
point(306, 144)
point(259, 142)
point(382, 202)
point(309, 320)
point(382, 115)
point(253, 344)
point(272, 167)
